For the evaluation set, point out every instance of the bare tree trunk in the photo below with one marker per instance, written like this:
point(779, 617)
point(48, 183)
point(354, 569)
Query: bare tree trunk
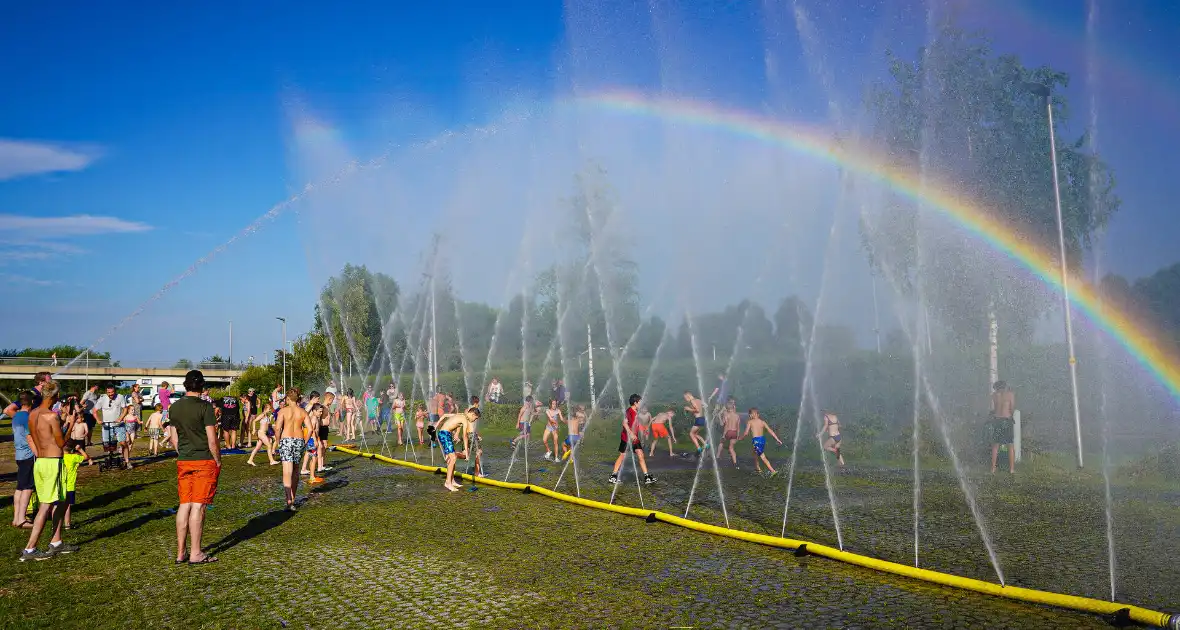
point(993, 344)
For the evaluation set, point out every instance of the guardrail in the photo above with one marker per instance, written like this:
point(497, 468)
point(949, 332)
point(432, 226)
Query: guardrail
point(78, 364)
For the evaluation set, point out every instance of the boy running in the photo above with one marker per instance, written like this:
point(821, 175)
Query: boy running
point(290, 427)
point(629, 438)
point(696, 410)
point(524, 420)
point(445, 430)
point(731, 423)
point(755, 426)
point(574, 426)
point(659, 429)
point(155, 430)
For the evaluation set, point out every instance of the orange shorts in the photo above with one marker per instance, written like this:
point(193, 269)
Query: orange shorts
point(659, 430)
point(197, 480)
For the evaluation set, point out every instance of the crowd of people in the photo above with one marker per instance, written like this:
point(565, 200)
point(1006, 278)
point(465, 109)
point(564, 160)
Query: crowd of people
point(51, 432)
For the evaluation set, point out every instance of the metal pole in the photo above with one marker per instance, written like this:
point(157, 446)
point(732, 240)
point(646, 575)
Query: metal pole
point(876, 313)
point(1073, 362)
point(230, 359)
point(590, 362)
point(284, 351)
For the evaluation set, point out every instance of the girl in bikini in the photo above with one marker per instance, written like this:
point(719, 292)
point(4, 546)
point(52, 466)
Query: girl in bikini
point(349, 416)
point(399, 415)
point(553, 418)
point(420, 422)
point(265, 435)
point(832, 429)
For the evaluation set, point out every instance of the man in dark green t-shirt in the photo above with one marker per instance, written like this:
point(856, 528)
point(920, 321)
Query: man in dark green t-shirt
point(193, 431)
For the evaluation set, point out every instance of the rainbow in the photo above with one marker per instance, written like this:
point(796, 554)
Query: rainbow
point(1121, 326)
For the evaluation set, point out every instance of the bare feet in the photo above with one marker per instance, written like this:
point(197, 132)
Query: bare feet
point(251, 462)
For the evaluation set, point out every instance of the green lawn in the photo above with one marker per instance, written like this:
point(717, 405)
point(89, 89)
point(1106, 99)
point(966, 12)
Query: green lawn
point(382, 546)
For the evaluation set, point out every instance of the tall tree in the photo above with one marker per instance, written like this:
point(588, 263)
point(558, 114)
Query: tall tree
point(958, 113)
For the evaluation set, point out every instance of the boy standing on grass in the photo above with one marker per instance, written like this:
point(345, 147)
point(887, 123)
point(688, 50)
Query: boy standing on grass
point(524, 420)
point(756, 425)
point(444, 430)
point(46, 432)
point(731, 422)
point(155, 430)
point(629, 438)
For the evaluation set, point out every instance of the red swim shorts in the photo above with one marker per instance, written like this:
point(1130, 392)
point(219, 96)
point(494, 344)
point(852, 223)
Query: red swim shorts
point(197, 480)
point(659, 430)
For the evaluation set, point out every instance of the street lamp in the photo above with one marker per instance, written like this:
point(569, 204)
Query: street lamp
point(1042, 90)
point(284, 320)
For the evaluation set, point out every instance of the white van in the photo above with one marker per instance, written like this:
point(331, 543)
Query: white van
point(149, 388)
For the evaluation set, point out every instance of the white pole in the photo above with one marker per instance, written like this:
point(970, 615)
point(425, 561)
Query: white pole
point(876, 313)
point(1073, 362)
point(1016, 433)
point(230, 359)
point(590, 362)
point(433, 341)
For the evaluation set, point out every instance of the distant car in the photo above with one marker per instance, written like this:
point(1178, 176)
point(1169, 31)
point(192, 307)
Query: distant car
point(154, 399)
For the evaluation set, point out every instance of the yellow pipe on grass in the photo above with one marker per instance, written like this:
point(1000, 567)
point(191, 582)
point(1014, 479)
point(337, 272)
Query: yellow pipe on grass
point(1060, 600)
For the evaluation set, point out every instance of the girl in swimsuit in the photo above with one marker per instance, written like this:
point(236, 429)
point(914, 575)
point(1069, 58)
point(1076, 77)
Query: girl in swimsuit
point(264, 439)
point(420, 421)
point(399, 415)
point(349, 416)
point(832, 428)
point(553, 414)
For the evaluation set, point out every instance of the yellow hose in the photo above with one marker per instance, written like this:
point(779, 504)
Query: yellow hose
point(1072, 602)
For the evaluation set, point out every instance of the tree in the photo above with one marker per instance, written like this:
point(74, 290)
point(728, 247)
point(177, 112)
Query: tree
point(960, 114)
point(353, 311)
point(792, 326)
point(183, 364)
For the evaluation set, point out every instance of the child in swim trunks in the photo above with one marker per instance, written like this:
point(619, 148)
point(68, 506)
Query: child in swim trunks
point(696, 410)
point(574, 426)
point(552, 427)
point(755, 426)
point(659, 430)
point(445, 430)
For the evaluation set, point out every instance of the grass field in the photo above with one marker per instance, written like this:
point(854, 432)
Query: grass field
point(382, 546)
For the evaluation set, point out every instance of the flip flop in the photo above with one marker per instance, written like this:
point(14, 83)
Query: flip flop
point(183, 560)
point(205, 560)
point(25, 525)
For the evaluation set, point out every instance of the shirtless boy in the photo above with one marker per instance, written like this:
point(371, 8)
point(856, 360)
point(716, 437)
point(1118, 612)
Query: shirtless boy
point(552, 427)
point(629, 439)
point(754, 427)
point(696, 410)
point(574, 426)
point(832, 429)
point(659, 429)
point(524, 420)
point(46, 435)
point(1003, 426)
point(290, 427)
point(731, 423)
point(445, 430)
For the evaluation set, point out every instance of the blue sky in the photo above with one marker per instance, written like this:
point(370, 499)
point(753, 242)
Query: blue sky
point(136, 138)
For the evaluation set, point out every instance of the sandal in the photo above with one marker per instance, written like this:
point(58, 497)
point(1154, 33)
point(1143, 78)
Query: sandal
point(25, 525)
point(205, 560)
point(183, 560)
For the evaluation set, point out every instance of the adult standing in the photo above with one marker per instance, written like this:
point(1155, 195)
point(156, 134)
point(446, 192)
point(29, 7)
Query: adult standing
point(250, 416)
point(560, 392)
point(495, 391)
point(110, 405)
point(193, 432)
point(39, 379)
point(23, 444)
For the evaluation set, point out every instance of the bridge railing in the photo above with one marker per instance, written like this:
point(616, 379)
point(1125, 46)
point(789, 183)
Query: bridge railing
point(79, 364)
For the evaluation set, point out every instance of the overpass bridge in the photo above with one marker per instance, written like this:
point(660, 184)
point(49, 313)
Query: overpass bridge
point(101, 370)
